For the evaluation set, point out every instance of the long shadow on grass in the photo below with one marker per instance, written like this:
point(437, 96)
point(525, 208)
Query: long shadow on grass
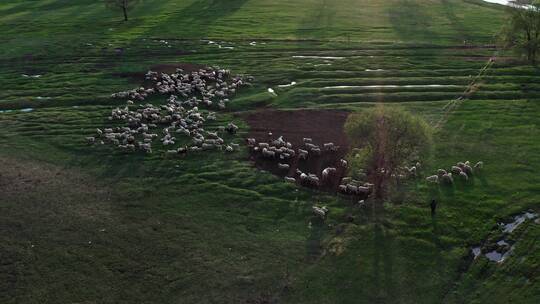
point(318, 22)
point(383, 260)
point(411, 22)
point(456, 23)
point(202, 15)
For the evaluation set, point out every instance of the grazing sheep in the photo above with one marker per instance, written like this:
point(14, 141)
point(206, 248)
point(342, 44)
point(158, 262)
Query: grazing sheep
point(346, 180)
point(433, 179)
point(456, 170)
point(284, 166)
point(90, 140)
point(313, 180)
point(307, 140)
point(364, 190)
point(229, 149)
point(411, 171)
point(316, 151)
point(441, 172)
point(479, 165)
point(302, 154)
point(447, 179)
point(320, 212)
point(291, 180)
point(468, 169)
point(268, 154)
point(463, 176)
point(231, 128)
point(327, 172)
point(251, 141)
point(343, 163)
point(352, 189)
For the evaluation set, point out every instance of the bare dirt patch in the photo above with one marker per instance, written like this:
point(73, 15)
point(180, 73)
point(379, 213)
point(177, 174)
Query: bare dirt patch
point(323, 126)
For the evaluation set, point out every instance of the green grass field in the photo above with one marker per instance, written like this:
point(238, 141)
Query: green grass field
point(87, 224)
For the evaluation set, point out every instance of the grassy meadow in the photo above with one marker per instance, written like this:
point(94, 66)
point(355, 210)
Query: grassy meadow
point(89, 224)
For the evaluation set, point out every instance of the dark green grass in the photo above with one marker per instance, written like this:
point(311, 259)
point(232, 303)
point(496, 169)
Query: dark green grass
point(210, 228)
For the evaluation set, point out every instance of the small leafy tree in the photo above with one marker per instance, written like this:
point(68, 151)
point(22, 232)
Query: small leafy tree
point(522, 33)
point(124, 5)
point(385, 140)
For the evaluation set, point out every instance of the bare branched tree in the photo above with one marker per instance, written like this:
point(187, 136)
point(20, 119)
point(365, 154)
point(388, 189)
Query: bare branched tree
point(522, 33)
point(124, 5)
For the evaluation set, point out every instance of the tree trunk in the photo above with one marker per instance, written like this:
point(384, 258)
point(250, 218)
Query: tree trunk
point(124, 9)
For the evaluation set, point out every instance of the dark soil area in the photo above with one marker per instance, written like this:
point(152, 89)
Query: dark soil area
point(322, 126)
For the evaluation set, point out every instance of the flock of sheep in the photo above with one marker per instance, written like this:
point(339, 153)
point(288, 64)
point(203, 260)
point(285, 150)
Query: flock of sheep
point(179, 116)
point(283, 153)
point(462, 170)
point(211, 88)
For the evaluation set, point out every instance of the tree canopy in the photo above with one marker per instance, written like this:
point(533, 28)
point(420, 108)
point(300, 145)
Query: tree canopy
point(385, 140)
point(522, 33)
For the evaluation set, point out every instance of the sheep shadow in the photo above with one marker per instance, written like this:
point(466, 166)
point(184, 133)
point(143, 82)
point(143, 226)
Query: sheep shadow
point(314, 247)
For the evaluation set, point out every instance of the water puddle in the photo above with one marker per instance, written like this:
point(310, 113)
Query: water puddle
point(25, 110)
point(31, 76)
point(287, 85)
point(508, 3)
point(394, 86)
point(518, 220)
point(476, 251)
point(319, 57)
point(220, 45)
point(502, 249)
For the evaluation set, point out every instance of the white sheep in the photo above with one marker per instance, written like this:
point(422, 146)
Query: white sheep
point(456, 170)
point(284, 166)
point(327, 172)
point(320, 212)
point(291, 180)
point(433, 179)
point(479, 165)
point(447, 179)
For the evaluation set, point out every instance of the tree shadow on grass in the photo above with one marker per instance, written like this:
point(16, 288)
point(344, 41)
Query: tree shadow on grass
point(383, 261)
point(455, 22)
point(411, 22)
point(318, 22)
point(201, 16)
